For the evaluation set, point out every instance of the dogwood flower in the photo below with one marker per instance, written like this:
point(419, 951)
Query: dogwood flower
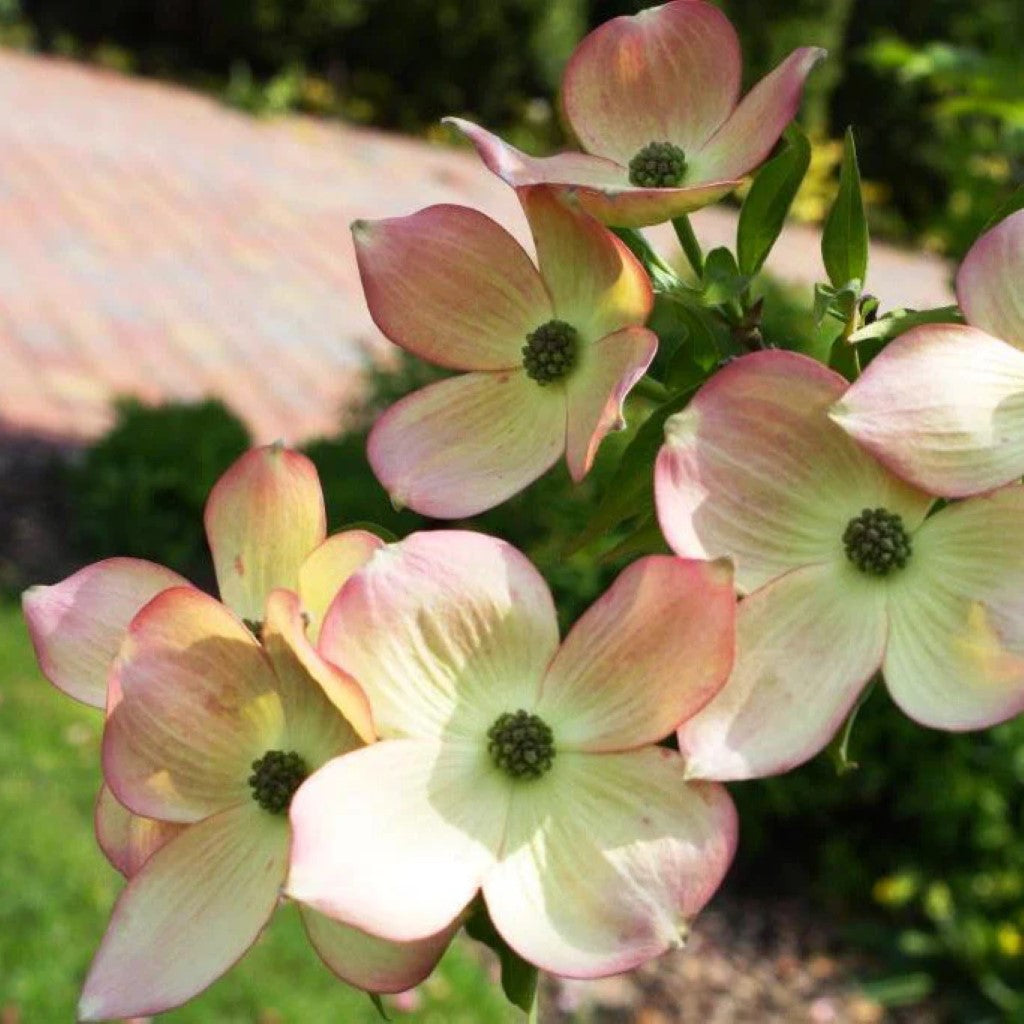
point(209, 733)
point(845, 572)
point(654, 99)
point(943, 405)
point(514, 765)
point(550, 355)
point(266, 526)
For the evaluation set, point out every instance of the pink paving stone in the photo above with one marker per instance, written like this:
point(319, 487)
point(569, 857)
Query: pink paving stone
point(156, 243)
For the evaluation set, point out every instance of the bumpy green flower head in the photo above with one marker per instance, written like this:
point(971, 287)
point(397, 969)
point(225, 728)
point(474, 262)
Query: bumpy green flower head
point(521, 745)
point(657, 165)
point(275, 778)
point(550, 351)
point(877, 542)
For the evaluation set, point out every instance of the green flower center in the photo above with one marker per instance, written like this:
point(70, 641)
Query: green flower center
point(877, 542)
point(657, 165)
point(521, 745)
point(550, 351)
point(275, 777)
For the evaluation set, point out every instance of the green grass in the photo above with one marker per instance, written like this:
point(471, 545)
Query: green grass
point(56, 889)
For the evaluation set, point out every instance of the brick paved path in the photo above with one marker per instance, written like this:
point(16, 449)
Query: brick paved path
point(155, 243)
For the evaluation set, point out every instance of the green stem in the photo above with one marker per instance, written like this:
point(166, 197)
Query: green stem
point(662, 276)
point(841, 746)
point(688, 240)
point(648, 387)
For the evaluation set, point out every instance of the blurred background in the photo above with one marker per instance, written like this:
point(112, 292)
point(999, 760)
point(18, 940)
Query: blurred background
point(176, 282)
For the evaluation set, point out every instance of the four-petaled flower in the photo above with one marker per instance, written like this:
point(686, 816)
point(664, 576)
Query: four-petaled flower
point(514, 765)
point(844, 569)
point(943, 405)
point(551, 355)
point(653, 98)
point(208, 735)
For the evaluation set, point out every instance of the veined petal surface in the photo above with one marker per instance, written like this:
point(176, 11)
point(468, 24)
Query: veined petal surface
point(648, 654)
point(327, 568)
point(77, 625)
point(128, 840)
point(955, 658)
point(444, 631)
point(606, 860)
point(754, 470)
point(197, 704)
point(806, 645)
point(668, 74)
point(190, 914)
point(325, 711)
point(597, 390)
point(263, 518)
point(451, 286)
point(943, 407)
point(370, 963)
point(988, 283)
point(595, 282)
point(457, 447)
point(755, 125)
point(395, 838)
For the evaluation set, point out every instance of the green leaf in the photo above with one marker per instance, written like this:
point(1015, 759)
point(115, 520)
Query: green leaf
point(646, 539)
point(722, 281)
point(844, 239)
point(764, 210)
point(697, 353)
point(630, 491)
point(378, 1004)
point(518, 978)
point(900, 989)
point(1012, 205)
point(897, 321)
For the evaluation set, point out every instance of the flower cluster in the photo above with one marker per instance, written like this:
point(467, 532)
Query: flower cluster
point(393, 734)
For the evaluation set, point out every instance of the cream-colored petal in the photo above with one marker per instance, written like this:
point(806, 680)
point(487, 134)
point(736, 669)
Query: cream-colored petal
point(597, 390)
point(191, 913)
point(806, 645)
point(451, 286)
point(668, 74)
point(128, 840)
point(955, 658)
point(395, 838)
point(466, 444)
point(325, 712)
point(370, 963)
point(595, 282)
point(263, 518)
point(942, 406)
point(753, 469)
point(647, 655)
point(444, 631)
point(327, 568)
point(77, 625)
point(606, 861)
point(988, 283)
point(196, 704)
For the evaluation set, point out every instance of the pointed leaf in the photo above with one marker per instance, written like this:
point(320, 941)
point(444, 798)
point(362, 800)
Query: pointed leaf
point(768, 201)
point(518, 978)
point(899, 321)
point(844, 240)
point(722, 281)
point(630, 490)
